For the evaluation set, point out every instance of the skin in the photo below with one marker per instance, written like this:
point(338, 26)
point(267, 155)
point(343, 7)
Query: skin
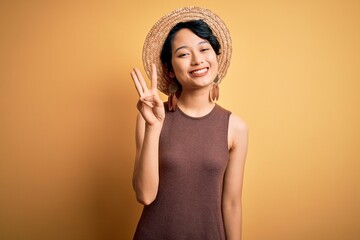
point(195, 65)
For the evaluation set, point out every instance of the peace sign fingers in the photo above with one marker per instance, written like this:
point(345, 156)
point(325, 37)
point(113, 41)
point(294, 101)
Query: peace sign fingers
point(140, 85)
point(149, 105)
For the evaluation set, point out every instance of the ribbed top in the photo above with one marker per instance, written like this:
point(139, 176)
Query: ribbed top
point(193, 155)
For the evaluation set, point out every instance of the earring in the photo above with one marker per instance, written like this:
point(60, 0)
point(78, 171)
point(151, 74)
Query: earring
point(172, 99)
point(214, 90)
point(214, 93)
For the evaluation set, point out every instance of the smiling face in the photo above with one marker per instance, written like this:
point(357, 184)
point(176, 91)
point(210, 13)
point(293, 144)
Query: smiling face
point(194, 61)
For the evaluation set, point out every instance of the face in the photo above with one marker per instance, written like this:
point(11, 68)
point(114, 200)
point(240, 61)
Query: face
point(194, 60)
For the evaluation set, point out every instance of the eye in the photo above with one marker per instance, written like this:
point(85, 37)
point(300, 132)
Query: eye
point(205, 49)
point(182, 55)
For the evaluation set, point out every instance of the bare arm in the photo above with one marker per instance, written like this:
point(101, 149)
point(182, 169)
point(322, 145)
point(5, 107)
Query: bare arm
point(232, 193)
point(148, 127)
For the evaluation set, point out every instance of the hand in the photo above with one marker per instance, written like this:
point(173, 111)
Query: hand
point(149, 105)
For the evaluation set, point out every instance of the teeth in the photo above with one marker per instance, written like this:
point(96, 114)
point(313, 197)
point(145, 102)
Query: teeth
point(199, 71)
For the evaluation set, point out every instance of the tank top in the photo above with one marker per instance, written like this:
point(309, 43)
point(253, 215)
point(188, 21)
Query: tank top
point(193, 156)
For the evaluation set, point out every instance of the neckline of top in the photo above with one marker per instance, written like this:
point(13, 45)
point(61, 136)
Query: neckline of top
point(200, 117)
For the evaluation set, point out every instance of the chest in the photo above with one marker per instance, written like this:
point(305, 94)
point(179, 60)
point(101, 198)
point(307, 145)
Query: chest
point(188, 145)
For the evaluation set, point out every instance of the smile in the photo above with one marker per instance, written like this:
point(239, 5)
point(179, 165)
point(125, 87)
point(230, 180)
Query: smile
point(199, 72)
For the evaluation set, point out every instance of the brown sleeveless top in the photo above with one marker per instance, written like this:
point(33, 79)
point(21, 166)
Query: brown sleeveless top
point(193, 155)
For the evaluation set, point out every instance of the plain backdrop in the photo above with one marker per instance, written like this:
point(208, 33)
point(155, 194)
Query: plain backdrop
point(67, 115)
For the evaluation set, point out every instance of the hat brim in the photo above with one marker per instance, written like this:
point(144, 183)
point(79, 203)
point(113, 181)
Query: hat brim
point(156, 37)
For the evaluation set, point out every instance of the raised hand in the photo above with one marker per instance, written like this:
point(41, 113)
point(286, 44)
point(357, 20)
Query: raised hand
point(149, 105)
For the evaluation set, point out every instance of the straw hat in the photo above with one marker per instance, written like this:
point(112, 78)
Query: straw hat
point(158, 33)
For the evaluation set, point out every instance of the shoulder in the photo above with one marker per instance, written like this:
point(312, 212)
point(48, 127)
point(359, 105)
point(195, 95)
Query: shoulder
point(238, 130)
point(237, 124)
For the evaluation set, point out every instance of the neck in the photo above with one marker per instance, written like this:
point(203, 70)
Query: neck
point(195, 103)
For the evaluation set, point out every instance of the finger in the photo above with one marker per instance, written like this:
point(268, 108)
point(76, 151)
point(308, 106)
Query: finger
point(140, 104)
point(137, 83)
point(151, 99)
point(157, 101)
point(153, 77)
point(147, 103)
point(141, 80)
point(154, 99)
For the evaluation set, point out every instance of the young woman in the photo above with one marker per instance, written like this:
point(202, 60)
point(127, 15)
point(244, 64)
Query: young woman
point(190, 152)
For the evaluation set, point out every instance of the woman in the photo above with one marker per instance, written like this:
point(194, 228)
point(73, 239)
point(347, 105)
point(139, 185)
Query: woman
point(190, 152)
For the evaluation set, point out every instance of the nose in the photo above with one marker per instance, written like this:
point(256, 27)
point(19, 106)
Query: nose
point(196, 59)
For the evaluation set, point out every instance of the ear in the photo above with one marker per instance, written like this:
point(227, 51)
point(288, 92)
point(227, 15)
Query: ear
point(218, 57)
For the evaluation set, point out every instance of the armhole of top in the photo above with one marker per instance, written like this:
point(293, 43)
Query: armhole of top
point(228, 130)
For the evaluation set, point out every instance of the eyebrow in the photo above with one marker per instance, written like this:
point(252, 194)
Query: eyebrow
point(202, 42)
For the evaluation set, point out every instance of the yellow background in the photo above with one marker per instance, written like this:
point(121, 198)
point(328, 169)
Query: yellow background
point(68, 110)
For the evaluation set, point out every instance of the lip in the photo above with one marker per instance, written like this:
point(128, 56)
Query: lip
point(199, 72)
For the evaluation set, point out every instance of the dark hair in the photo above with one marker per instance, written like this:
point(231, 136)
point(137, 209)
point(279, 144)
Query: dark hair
point(199, 28)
